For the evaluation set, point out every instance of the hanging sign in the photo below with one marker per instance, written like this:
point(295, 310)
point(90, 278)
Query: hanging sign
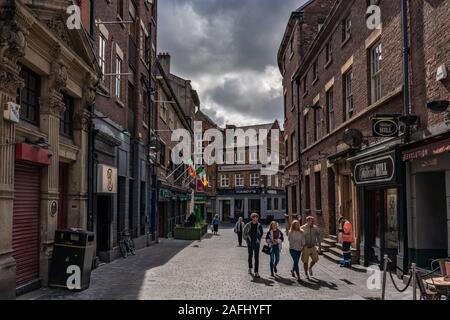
point(385, 126)
point(107, 179)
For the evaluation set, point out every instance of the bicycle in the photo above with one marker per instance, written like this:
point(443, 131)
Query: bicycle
point(126, 244)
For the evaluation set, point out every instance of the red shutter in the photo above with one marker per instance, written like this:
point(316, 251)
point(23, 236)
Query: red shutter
point(26, 223)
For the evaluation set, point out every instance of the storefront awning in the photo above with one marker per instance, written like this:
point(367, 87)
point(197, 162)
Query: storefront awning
point(342, 155)
point(427, 150)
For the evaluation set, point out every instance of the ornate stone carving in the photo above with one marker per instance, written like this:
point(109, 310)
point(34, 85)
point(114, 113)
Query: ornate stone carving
point(89, 90)
point(58, 76)
point(52, 104)
point(82, 120)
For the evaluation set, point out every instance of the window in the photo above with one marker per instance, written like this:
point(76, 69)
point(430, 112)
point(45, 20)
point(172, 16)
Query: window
point(320, 23)
point(318, 191)
point(66, 119)
point(162, 155)
point(346, 28)
point(269, 181)
point(269, 203)
point(277, 181)
point(118, 78)
point(286, 147)
point(254, 179)
point(240, 157)
point(329, 52)
point(283, 204)
point(292, 45)
point(305, 88)
point(330, 110)
point(253, 156)
point(305, 131)
point(317, 124)
point(163, 112)
point(307, 193)
point(315, 71)
point(102, 55)
point(224, 181)
point(375, 63)
point(294, 147)
point(294, 199)
point(142, 43)
point(285, 106)
point(294, 95)
point(348, 79)
point(28, 97)
point(239, 180)
point(275, 203)
point(132, 26)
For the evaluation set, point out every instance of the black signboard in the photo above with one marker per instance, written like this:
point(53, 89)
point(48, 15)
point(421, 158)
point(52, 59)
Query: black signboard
point(385, 125)
point(377, 170)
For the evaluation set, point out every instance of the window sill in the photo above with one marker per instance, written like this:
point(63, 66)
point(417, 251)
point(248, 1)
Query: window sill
point(103, 87)
point(145, 125)
point(329, 62)
point(119, 103)
point(293, 108)
point(305, 94)
point(315, 81)
point(346, 41)
point(119, 18)
point(292, 55)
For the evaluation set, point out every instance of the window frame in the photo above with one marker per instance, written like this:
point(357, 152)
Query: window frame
point(376, 71)
point(254, 180)
point(27, 105)
point(66, 117)
point(348, 94)
point(239, 177)
point(224, 181)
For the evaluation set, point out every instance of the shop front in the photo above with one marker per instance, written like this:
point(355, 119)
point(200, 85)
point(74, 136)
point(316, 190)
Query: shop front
point(428, 197)
point(172, 210)
point(378, 178)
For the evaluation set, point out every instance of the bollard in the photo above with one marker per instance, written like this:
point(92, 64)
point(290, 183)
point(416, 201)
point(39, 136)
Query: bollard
point(414, 280)
point(383, 294)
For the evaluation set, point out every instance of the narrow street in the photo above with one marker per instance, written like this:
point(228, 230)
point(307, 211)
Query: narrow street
point(216, 268)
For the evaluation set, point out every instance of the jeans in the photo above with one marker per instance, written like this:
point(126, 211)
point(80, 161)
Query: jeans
point(239, 234)
point(253, 250)
point(296, 258)
point(274, 257)
point(346, 249)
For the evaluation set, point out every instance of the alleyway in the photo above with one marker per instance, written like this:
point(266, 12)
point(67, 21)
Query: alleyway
point(215, 268)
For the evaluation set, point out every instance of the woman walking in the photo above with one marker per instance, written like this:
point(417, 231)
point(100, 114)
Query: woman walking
point(238, 229)
point(215, 224)
point(274, 239)
point(296, 243)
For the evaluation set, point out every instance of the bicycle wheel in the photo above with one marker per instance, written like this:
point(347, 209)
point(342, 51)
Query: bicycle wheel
point(123, 249)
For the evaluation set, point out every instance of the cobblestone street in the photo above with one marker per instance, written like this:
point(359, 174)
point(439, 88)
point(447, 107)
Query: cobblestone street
point(216, 268)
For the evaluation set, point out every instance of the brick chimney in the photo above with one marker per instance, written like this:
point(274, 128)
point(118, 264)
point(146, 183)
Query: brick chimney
point(164, 60)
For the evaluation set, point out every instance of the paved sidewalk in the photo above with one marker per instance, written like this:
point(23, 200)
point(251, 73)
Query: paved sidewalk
point(216, 268)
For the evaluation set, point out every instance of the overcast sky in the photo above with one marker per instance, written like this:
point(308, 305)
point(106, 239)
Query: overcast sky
point(228, 48)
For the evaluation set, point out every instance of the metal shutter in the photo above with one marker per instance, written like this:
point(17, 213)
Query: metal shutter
point(26, 223)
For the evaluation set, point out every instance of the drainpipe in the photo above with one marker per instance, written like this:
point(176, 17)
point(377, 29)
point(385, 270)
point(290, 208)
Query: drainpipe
point(406, 101)
point(299, 147)
point(91, 137)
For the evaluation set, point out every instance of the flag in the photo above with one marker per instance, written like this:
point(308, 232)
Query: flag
point(192, 171)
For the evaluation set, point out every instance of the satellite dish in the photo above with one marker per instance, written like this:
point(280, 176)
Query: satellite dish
point(353, 138)
point(438, 106)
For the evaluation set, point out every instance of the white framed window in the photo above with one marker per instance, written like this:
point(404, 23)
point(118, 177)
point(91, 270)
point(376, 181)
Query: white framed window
point(330, 110)
point(375, 63)
point(102, 55)
point(277, 181)
point(254, 179)
point(346, 28)
point(269, 181)
point(118, 77)
point(239, 180)
point(224, 181)
point(240, 157)
point(253, 156)
point(348, 78)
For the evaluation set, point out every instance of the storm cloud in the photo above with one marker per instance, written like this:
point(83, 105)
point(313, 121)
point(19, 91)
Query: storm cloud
point(228, 48)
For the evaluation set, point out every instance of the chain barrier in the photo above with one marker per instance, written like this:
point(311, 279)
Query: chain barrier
point(411, 274)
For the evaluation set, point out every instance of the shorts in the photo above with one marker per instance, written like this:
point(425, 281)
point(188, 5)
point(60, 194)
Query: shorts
point(310, 252)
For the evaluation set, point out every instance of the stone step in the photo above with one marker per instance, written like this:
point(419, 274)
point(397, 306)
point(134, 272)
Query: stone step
point(330, 242)
point(325, 247)
point(339, 253)
point(331, 256)
point(335, 238)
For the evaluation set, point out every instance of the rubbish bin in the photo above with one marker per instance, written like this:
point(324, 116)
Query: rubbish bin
point(72, 258)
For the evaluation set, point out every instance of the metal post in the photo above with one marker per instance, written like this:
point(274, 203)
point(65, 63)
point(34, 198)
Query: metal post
point(383, 294)
point(414, 280)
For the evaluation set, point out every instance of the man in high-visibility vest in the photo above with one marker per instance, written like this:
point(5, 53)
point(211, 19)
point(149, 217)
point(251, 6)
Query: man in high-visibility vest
point(346, 228)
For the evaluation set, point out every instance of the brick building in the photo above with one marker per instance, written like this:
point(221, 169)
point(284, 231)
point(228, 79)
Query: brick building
point(124, 117)
point(176, 106)
point(47, 87)
point(302, 27)
point(350, 84)
point(242, 188)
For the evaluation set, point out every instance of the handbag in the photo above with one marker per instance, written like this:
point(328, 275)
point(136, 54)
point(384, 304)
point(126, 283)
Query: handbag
point(266, 249)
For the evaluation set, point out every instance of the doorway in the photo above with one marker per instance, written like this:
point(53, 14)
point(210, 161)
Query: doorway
point(332, 202)
point(226, 210)
point(103, 223)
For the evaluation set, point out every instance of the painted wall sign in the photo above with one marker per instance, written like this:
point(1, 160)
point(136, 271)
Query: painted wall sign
point(107, 179)
point(379, 170)
point(385, 126)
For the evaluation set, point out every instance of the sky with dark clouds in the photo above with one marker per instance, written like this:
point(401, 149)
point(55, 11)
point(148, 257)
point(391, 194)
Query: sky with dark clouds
point(228, 48)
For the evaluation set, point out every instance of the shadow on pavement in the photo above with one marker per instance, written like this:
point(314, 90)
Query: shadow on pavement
point(316, 284)
point(285, 281)
point(267, 282)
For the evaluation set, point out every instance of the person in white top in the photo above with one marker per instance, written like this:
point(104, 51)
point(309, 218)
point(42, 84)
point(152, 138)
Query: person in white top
point(296, 243)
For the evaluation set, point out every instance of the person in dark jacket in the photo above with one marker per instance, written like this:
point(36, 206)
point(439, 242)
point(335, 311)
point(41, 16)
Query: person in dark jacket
point(253, 232)
point(274, 239)
point(239, 229)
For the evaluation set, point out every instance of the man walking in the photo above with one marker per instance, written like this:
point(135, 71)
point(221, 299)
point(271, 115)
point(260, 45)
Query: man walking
point(253, 232)
point(346, 228)
point(313, 239)
point(238, 229)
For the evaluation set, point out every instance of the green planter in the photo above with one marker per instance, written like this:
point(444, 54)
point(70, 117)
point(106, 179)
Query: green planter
point(190, 233)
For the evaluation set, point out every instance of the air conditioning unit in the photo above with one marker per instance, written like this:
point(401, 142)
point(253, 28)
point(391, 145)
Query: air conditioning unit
point(12, 112)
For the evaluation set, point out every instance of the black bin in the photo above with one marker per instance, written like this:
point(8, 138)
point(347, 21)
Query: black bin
point(72, 257)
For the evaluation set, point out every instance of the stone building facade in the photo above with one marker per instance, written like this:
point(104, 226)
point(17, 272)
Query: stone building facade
point(47, 70)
